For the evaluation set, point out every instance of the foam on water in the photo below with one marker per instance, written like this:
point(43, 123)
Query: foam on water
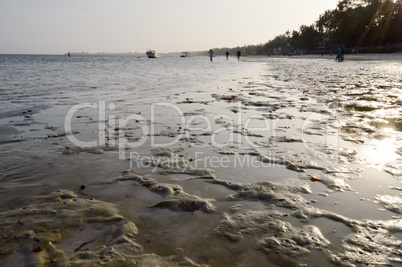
point(270, 161)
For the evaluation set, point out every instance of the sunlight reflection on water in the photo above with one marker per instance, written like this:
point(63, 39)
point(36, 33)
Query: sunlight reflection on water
point(380, 152)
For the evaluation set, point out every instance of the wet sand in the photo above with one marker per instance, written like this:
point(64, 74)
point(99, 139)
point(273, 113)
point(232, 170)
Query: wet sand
point(274, 162)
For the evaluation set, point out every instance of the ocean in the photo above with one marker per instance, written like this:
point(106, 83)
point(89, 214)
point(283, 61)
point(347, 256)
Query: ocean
point(262, 161)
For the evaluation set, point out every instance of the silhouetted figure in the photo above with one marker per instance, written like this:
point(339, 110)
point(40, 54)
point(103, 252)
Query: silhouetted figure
point(238, 54)
point(343, 52)
point(211, 54)
point(339, 54)
point(227, 55)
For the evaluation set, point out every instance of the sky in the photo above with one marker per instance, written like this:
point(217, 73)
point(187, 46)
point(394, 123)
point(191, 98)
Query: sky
point(121, 26)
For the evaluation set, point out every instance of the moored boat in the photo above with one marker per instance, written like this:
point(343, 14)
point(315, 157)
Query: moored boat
point(185, 54)
point(152, 54)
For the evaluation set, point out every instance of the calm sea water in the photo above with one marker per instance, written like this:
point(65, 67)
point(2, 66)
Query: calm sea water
point(58, 80)
point(364, 93)
point(359, 102)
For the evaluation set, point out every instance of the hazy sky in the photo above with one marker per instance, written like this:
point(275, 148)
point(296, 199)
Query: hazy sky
point(59, 26)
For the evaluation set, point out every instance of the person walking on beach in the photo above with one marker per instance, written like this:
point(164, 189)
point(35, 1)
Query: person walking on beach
point(343, 52)
point(238, 54)
point(211, 54)
point(227, 55)
point(339, 54)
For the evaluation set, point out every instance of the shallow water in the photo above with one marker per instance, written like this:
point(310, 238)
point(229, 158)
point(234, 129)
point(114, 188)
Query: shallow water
point(214, 133)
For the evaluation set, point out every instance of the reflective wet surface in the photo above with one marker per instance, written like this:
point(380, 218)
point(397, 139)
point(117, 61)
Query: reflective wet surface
point(262, 161)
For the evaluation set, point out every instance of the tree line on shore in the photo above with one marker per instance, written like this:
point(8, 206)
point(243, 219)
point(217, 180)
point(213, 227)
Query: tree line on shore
point(364, 25)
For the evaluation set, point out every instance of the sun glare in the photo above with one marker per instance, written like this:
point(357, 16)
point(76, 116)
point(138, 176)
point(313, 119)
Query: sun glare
point(380, 152)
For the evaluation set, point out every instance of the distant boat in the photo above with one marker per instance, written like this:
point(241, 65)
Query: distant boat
point(152, 54)
point(185, 54)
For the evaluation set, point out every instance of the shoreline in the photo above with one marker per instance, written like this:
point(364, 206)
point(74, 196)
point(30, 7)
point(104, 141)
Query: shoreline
point(198, 54)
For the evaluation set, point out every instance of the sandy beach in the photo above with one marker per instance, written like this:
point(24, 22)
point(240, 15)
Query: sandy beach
point(126, 161)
